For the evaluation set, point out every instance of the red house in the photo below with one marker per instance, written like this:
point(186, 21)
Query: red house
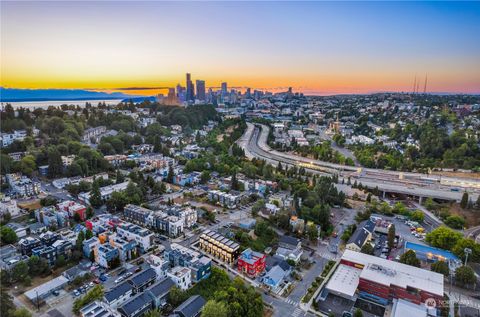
point(73, 208)
point(251, 263)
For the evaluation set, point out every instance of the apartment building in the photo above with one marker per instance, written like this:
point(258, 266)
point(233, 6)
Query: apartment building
point(220, 247)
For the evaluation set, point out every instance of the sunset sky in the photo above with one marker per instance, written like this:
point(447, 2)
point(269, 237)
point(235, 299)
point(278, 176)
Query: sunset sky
point(315, 47)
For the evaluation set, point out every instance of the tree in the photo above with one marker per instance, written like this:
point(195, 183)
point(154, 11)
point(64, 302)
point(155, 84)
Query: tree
point(454, 221)
point(80, 239)
point(55, 164)
point(6, 302)
point(417, 216)
point(410, 258)
point(459, 249)
point(119, 178)
point(259, 205)
point(443, 237)
point(170, 175)
point(153, 313)
point(60, 262)
point(477, 204)
point(465, 275)
point(441, 267)
point(391, 236)
point(205, 177)
point(8, 235)
point(95, 293)
point(76, 217)
point(177, 296)
point(367, 249)
point(22, 312)
point(312, 232)
point(234, 182)
point(464, 201)
point(28, 165)
point(37, 266)
point(20, 272)
point(88, 234)
point(214, 309)
point(95, 196)
point(89, 213)
point(358, 313)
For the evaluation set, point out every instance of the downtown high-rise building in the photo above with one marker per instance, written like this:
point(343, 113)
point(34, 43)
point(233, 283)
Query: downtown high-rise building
point(224, 89)
point(190, 95)
point(201, 90)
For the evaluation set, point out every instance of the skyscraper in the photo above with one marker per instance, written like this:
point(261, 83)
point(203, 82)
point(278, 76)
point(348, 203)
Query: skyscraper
point(224, 89)
point(190, 89)
point(201, 90)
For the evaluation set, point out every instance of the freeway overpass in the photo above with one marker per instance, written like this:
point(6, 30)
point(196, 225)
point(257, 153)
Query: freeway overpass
point(254, 143)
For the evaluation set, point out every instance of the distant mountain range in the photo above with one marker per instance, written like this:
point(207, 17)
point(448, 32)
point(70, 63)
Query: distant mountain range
point(15, 94)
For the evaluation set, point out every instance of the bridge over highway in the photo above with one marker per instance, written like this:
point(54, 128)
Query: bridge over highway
point(254, 143)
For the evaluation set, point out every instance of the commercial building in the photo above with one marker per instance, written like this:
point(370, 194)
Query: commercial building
point(251, 263)
point(431, 255)
point(201, 90)
point(41, 292)
point(380, 280)
point(220, 247)
point(190, 94)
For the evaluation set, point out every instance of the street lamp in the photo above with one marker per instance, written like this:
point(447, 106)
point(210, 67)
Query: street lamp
point(467, 251)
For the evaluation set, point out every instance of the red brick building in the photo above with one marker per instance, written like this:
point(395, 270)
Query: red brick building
point(381, 280)
point(251, 263)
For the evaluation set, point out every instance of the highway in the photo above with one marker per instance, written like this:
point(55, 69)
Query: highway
point(254, 143)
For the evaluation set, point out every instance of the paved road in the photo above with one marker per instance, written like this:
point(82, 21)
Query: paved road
point(254, 143)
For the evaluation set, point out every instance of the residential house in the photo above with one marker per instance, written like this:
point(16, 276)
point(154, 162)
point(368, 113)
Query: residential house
point(192, 307)
point(361, 236)
point(289, 248)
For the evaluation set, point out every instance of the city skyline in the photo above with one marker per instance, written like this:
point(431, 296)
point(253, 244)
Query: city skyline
point(316, 48)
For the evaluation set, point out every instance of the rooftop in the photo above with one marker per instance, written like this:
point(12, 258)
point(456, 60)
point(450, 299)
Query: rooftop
point(387, 272)
point(191, 306)
point(118, 291)
point(345, 280)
